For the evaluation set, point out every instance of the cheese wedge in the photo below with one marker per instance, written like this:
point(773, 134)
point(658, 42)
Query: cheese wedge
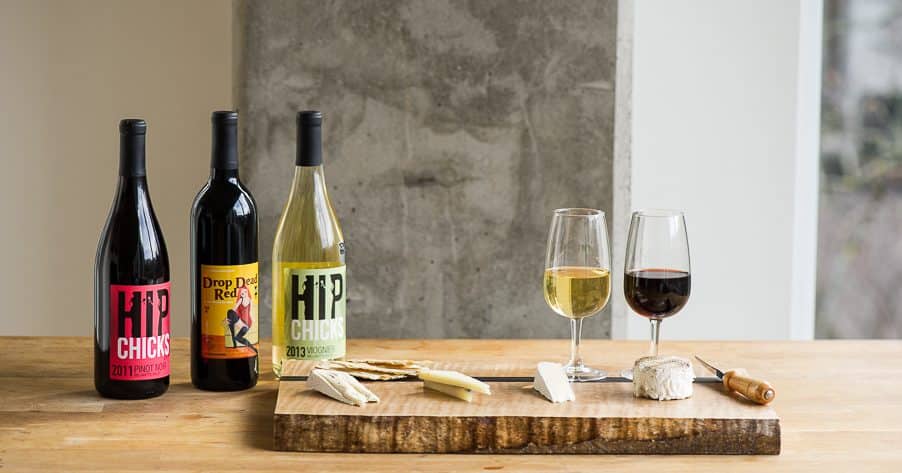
point(663, 378)
point(453, 378)
point(552, 382)
point(340, 386)
point(453, 391)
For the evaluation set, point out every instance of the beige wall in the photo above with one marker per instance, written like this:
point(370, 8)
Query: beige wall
point(68, 72)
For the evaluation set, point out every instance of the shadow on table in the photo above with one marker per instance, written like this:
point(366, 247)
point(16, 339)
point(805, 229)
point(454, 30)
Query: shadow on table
point(258, 418)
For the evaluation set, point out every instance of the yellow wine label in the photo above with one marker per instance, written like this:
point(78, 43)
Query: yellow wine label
point(312, 311)
point(229, 325)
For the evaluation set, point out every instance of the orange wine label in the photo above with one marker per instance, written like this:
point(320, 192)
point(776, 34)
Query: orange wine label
point(229, 325)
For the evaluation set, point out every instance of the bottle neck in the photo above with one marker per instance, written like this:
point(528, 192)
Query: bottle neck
point(133, 181)
point(309, 145)
point(131, 156)
point(227, 175)
point(132, 191)
point(224, 155)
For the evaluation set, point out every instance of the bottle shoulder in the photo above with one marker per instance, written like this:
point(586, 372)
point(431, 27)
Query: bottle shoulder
point(132, 248)
point(140, 228)
point(224, 199)
point(201, 195)
point(308, 233)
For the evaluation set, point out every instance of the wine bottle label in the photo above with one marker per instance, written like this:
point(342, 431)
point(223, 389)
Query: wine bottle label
point(139, 331)
point(228, 311)
point(313, 311)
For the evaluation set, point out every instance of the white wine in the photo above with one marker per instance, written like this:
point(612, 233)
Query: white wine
point(308, 258)
point(576, 291)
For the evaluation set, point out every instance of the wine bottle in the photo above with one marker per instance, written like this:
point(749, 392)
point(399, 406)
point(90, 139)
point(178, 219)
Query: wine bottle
point(224, 316)
point(308, 261)
point(131, 284)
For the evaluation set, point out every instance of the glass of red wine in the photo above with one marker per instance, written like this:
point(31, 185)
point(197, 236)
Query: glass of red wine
point(656, 279)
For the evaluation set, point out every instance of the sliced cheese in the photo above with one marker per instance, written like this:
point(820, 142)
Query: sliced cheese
point(453, 378)
point(340, 386)
point(552, 382)
point(663, 378)
point(453, 391)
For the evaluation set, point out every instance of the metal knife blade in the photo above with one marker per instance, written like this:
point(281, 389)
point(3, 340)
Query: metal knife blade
point(716, 371)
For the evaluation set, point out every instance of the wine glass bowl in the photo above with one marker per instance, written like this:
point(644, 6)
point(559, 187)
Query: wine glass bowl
point(577, 278)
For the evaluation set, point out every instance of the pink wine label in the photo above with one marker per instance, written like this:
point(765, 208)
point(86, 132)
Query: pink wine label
point(139, 332)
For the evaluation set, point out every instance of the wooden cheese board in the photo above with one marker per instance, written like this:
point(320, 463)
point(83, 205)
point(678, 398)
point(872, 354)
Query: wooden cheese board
point(605, 418)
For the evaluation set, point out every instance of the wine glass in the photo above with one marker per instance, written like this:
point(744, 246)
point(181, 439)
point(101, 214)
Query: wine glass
point(577, 278)
point(656, 278)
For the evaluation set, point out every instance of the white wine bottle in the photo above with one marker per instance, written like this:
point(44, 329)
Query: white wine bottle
point(308, 261)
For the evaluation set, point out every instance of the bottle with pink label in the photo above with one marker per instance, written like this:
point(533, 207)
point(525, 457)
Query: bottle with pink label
point(131, 284)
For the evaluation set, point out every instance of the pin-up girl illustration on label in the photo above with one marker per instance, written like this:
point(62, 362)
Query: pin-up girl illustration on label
point(240, 319)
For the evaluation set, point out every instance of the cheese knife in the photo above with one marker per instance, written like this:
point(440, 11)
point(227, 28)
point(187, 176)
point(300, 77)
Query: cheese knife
point(755, 390)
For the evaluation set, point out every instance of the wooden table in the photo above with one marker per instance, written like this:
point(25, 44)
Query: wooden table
point(840, 404)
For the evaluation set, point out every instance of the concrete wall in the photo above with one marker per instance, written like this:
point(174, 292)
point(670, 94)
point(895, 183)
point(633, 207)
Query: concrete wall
point(68, 72)
point(451, 130)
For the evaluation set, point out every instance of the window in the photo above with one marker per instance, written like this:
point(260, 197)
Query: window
point(859, 275)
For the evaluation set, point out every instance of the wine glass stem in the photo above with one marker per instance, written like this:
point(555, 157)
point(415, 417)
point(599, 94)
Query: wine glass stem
point(655, 336)
point(576, 328)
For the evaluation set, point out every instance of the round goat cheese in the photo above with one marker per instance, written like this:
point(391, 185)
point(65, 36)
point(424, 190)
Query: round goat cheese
point(663, 378)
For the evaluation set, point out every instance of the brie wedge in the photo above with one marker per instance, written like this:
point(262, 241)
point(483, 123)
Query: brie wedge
point(663, 378)
point(340, 386)
point(552, 382)
point(453, 378)
point(453, 391)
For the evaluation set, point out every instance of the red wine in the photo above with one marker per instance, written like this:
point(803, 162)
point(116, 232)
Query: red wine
point(131, 284)
point(656, 293)
point(224, 316)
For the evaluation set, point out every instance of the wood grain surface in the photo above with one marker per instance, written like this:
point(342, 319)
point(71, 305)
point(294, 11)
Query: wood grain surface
point(604, 418)
point(840, 405)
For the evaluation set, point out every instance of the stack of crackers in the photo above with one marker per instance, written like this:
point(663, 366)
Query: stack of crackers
point(377, 370)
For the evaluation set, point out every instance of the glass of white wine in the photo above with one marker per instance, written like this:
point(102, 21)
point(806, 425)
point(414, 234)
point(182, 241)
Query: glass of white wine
point(578, 276)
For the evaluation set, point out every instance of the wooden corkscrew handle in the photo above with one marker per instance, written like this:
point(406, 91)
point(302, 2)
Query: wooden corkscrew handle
point(756, 390)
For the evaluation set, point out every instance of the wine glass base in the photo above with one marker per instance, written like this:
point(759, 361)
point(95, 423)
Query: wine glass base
point(581, 374)
point(627, 373)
